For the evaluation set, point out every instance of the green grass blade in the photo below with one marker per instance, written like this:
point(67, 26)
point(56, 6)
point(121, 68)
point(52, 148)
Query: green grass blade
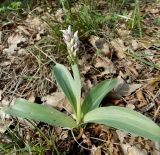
point(66, 82)
point(25, 109)
point(143, 59)
point(125, 119)
point(96, 95)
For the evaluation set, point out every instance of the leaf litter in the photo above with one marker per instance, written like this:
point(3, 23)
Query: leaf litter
point(25, 70)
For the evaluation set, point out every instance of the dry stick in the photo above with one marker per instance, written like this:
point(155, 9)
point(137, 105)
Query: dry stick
point(17, 85)
point(78, 142)
point(156, 113)
point(35, 72)
point(45, 54)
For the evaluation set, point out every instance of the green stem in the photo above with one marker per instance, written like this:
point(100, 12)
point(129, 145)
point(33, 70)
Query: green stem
point(76, 75)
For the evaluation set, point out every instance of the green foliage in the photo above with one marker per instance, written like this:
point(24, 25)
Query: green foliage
point(124, 119)
point(135, 21)
point(67, 83)
point(92, 20)
point(117, 117)
point(143, 58)
point(157, 21)
point(87, 111)
point(25, 109)
point(15, 5)
point(96, 95)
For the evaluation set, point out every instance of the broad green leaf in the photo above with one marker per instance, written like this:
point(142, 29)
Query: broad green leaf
point(66, 82)
point(125, 119)
point(25, 109)
point(96, 95)
point(77, 79)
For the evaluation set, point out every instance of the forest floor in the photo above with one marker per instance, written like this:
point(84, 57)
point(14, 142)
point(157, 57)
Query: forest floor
point(118, 39)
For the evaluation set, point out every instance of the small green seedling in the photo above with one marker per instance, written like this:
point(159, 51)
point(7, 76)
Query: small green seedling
point(88, 110)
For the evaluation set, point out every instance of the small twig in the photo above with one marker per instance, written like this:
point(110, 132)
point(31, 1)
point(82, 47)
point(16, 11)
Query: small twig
point(45, 54)
point(78, 142)
point(156, 113)
point(99, 139)
point(17, 85)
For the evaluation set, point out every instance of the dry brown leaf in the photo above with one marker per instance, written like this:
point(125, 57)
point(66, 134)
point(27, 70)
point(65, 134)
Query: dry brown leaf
point(76, 8)
point(23, 29)
point(119, 48)
point(100, 44)
point(34, 22)
point(21, 51)
point(86, 140)
point(5, 63)
point(39, 34)
point(95, 150)
point(106, 64)
point(157, 148)
point(141, 99)
point(133, 70)
point(58, 100)
point(84, 65)
point(59, 14)
point(1, 49)
point(155, 10)
point(5, 102)
point(149, 54)
point(87, 85)
point(0, 37)
point(130, 106)
point(145, 43)
point(4, 124)
point(123, 32)
point(1, 92)
point(31, 97)
point(63, 135)
point(13, 42)
point(54, 100)
point(124, 89)
point(26, 123)
point(135, 45)
point(127, 148)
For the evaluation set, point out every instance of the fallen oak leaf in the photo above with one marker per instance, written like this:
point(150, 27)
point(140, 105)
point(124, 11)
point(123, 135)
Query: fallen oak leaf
point(119, 48)
point(4, 124)
point(141, 99)
point(13, 41)
point(135, 45)
point(124, 89)
point(54, 100)
point(106, 64)
point(57, 99)
point(127, 148)
point(100, 44)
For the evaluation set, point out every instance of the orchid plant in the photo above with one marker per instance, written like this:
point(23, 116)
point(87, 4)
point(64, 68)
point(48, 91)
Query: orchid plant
point(85, 110)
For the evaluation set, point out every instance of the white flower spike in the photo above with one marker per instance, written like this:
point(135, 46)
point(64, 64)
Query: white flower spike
point(72, 41)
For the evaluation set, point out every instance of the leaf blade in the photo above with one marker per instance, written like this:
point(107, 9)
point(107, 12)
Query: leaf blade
point(77, 80)
point(125, 119)
point(66, 82)
point(25, 109)
point(96, 95)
